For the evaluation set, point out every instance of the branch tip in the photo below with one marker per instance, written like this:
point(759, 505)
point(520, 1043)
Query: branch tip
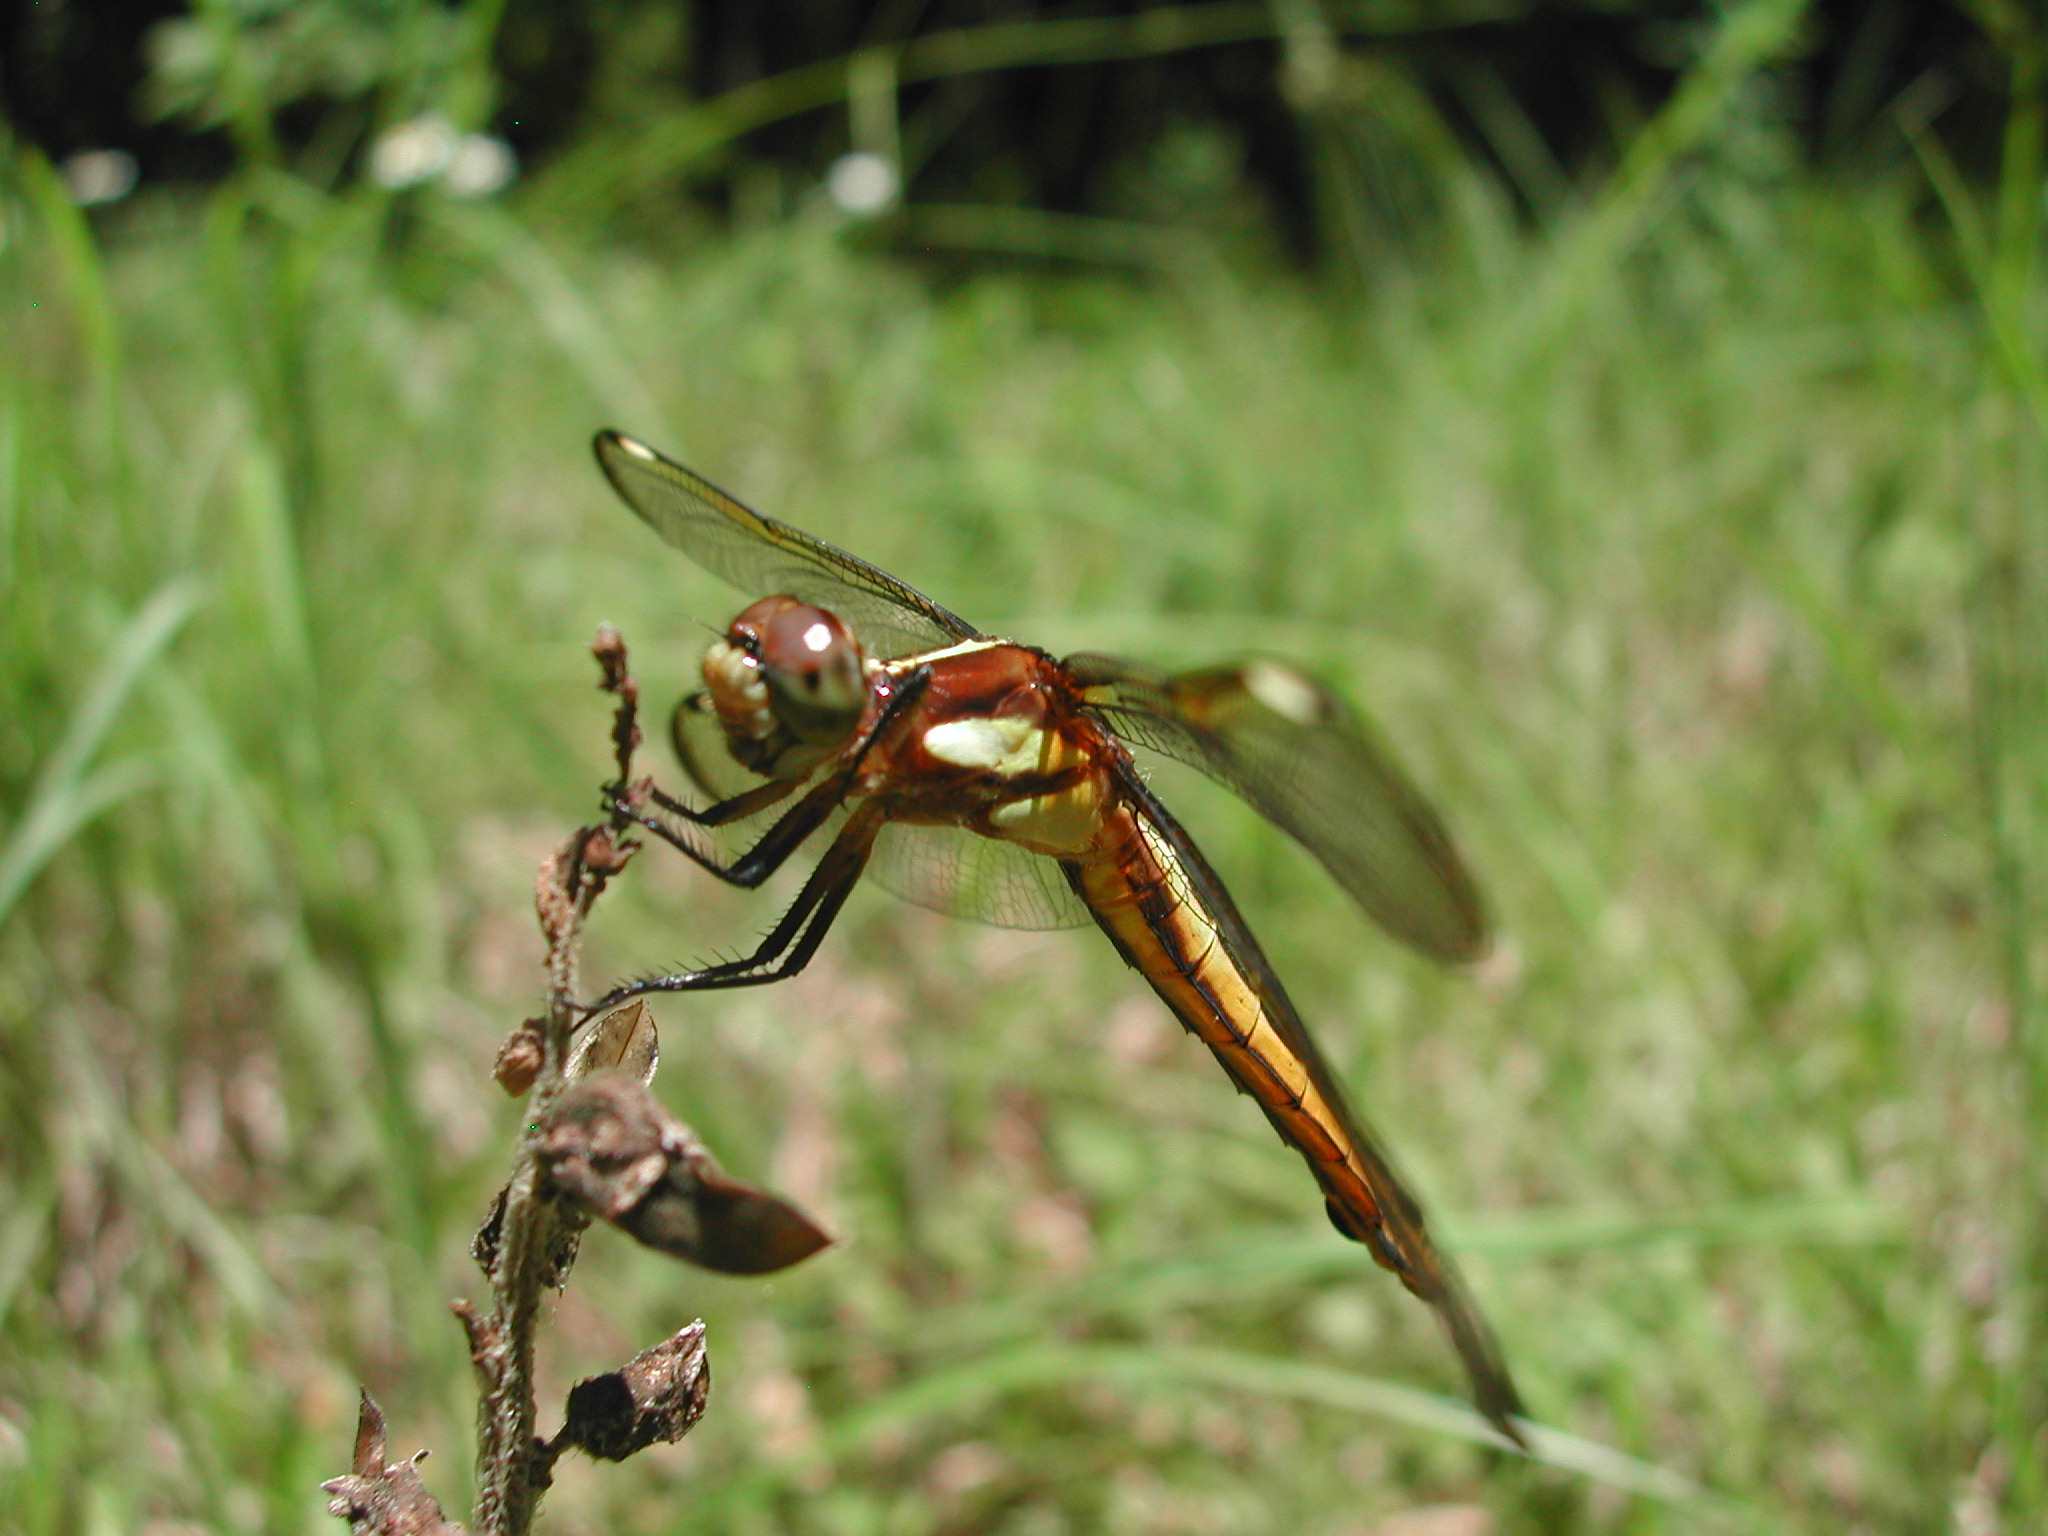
point(381, 1500)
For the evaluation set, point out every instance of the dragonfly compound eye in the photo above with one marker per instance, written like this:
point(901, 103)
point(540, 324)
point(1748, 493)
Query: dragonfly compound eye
point(815, 672)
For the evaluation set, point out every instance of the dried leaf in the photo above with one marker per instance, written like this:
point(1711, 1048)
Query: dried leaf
point(380, 1500)
point(605, 853)
point(603, 1144)
point(567, 1235)
point(609, 1148)
point(624, 1040)
point(554, 894)
point(704, 1215)
point(609, 647)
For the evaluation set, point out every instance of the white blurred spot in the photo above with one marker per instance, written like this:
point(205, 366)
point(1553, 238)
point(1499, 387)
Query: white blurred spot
point(415, 151)
point(960, 1469)
point(862, 182)
point(1287, 693)
point(482, 164)
point(430, 148)
point(1437, 1520)
point(817, 637)
point(95, 176)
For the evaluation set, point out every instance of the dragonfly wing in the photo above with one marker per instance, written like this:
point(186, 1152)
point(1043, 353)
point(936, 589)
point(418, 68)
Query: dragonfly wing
point(953, 870)
point(1306, 763)
point(762, 556)
point(699, 742)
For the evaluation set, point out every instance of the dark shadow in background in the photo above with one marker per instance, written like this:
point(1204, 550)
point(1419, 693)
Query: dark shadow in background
point(1064, 138)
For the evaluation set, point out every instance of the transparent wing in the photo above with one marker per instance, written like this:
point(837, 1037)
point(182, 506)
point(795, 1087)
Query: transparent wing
point(962, 873)
point(761, 556)
point(1302, 760)
point(948, 869)
point(699, 743)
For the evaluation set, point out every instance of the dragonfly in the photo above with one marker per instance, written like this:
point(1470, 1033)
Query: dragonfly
point(989, 779)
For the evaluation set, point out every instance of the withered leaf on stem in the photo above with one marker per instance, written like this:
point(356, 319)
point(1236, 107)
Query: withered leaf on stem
point(554, 891)
point(605, 1143)
point(611, 1149)
point(380, 1500)
point(609, 647)
point(654, 1398)
point(702, 1214)
point(605, 852)
point(561, 1250)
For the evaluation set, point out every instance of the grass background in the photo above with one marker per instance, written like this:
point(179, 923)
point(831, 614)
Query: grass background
point(1688, 544)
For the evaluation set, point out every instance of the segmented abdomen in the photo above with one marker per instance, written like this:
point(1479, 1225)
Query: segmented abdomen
point(1169, 920)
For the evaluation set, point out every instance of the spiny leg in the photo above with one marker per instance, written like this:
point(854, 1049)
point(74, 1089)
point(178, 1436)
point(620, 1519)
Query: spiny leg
point(795, 938)
point(725, 812)
point(776, 845)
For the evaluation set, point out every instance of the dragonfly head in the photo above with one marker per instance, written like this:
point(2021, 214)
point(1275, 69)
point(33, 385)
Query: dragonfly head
point(789, 683)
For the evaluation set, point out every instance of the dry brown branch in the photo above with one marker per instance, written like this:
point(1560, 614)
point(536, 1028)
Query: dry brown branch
point(597, 1145)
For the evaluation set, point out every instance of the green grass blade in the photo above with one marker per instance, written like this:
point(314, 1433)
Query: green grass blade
point(55, 815)
point(1750, 36)
point(65, 794)
point(23, 1237)
point(609, 174)
point(959, 1391)
point(144, 638)
point(563, 313)
point(156, 1183)
point(1255, 1265)
point(81, 275)
point(10, 496)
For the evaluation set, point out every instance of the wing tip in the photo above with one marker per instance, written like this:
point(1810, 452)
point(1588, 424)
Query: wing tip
point(1471, 944)
point(1464, 936)
point(610, 441)
point(1494, 1392)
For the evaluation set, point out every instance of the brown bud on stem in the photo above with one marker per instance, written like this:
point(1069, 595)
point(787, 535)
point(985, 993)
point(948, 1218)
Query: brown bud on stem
point(519, 1058)
point(654, 1398)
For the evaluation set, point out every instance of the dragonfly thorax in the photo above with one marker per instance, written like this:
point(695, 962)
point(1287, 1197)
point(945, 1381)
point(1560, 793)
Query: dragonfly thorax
point(789, 684)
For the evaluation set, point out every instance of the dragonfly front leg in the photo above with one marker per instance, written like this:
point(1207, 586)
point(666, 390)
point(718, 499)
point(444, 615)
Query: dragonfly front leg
point(738, 808)
point(754, 866)
point(795, 938)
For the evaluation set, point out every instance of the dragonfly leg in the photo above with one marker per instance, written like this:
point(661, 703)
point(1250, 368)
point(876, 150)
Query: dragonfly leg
point(740, 806)
point(796, 935)
point(754, 866)
point(796, 824)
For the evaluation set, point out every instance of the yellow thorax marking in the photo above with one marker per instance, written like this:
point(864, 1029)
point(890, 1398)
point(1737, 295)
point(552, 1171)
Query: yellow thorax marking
point(1004, 745)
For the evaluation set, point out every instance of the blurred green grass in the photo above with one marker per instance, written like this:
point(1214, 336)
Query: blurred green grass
point(1691, 554)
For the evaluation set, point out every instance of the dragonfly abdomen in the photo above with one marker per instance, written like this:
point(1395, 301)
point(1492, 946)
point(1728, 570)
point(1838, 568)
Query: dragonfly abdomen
point(1141, 893)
